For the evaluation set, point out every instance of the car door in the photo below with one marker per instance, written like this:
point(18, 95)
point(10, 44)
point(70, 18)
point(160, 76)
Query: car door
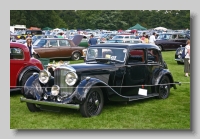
point(64, 48)
point(17, 62)
point(51, 49)
point(135, 75)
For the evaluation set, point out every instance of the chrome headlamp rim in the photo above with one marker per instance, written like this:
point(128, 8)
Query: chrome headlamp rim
point(48, 75)
point(72, 79)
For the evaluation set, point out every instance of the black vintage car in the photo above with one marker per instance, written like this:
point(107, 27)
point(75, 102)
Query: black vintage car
point(171, 41)
point(111, 72)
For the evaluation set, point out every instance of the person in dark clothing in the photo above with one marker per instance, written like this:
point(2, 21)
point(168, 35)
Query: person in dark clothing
point(92, 40)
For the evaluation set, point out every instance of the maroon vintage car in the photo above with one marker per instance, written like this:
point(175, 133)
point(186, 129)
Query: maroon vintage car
point(54, 48)
point(22, 66)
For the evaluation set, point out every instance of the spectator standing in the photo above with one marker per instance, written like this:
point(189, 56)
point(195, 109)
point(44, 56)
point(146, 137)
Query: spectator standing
point(92, 40)
point(30, 46)
point(187, 59)
point(143, 36)
point(152, 38)
point(146, 40)
point(137, 36)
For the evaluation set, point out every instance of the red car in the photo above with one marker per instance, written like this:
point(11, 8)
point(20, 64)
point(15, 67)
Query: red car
point(22, 66)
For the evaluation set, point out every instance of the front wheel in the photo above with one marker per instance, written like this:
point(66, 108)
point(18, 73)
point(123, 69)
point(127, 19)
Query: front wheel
point(93, 104)
point(32, 107)
point(76, 56)
point(163, 88)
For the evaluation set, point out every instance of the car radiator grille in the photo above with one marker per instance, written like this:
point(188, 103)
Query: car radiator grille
point(59, 79)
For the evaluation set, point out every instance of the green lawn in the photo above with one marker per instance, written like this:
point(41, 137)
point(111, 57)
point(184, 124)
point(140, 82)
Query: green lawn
point(171, 113)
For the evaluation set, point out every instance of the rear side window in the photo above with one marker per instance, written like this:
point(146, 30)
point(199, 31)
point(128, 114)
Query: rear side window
point(63, 43)
point(153, 56)
point(136, 56)
point(16, 53)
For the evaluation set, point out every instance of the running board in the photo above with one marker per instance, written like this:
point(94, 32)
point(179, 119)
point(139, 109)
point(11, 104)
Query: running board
point(143, 97)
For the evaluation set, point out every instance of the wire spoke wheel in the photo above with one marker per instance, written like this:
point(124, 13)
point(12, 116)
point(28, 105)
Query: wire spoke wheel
point(93, 104)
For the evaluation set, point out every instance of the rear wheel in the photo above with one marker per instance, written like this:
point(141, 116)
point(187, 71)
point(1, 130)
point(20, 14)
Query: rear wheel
point(76, 56)
point(93, 104)
point(163, 88)
point(178, 62)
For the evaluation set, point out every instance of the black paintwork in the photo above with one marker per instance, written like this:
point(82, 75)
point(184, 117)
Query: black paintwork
point(118, 81)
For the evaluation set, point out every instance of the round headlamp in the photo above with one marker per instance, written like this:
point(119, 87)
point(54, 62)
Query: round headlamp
point(55, 90)
point(44, 76)
point(71, 78)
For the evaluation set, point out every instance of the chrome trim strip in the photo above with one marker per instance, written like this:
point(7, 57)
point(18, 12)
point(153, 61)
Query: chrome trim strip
point(72, 106)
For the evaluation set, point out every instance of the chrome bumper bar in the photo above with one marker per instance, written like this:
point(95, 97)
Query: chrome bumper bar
point(72, 106)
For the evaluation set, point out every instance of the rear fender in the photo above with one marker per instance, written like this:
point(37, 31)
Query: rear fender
point(165, 72)
point(24, 71)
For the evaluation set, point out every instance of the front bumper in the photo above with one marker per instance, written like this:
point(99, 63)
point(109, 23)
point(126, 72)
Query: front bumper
point(63, 105)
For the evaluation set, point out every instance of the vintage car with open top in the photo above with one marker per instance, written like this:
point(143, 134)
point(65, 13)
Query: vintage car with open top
point(111, 72)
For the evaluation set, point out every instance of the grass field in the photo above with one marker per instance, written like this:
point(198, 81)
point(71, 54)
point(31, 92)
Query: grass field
point(171, 113)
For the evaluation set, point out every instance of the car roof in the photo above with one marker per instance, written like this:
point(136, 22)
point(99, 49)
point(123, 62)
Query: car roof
point(16, 44)
point(128, 45)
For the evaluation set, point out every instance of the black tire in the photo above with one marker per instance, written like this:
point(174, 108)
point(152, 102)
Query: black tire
point(161, 49)
point(93, 104)
point(178, 62)
point(163, 88)
point(24, 79)
point(76, 56)
point(32, 107)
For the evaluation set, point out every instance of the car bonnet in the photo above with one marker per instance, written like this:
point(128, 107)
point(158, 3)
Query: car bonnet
point(77, 39)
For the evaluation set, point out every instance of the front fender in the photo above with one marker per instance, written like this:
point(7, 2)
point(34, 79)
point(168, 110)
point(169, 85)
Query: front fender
point(33, 89)
point(85, 85)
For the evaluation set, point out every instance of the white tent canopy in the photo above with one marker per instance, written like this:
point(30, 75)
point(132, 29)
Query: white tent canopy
point(160, 28)
point(57, 29)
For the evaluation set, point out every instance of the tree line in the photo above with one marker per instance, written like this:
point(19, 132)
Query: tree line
point(101, 19)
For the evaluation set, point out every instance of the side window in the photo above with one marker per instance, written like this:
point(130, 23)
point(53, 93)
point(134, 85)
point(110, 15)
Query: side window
point(174, 36)
point(181, 36)
point(63, 43)
point(153, 56)
point(16, 53)
point(126, 37)
point(132, 37)
point(136, 56)
point(53, 43)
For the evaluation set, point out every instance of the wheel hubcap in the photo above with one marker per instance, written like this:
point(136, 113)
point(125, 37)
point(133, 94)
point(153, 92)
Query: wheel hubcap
point(96, 102)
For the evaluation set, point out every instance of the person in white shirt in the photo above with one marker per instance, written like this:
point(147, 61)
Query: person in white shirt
point(187, 59)
point(152, 38)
